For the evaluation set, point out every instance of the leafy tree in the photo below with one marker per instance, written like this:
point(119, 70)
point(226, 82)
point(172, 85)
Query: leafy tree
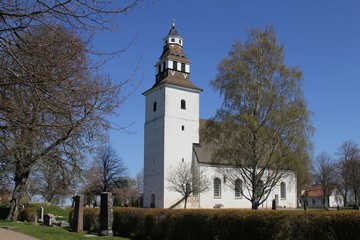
point(349, 171)
point(187, 180)
point(106, 172)
point(324, 173)
point(262, 128)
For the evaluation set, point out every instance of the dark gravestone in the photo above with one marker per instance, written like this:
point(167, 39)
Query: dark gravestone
point(49, 219)
point(273, 207)
point(106, 214)
point(78, 222)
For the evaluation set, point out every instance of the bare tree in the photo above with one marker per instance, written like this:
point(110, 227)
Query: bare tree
point(107, 171)
point(139, 182)
point(263, 128)
point(348, 156)
point(53, 99)
point(187, 180)
point(57, 106)
point(324, 173)
point(53, 182)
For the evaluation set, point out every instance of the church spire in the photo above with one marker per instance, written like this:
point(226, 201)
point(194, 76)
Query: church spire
point(173, 66)
point(173, 37)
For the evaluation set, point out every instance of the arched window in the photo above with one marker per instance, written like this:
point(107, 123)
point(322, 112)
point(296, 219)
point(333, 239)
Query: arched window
point(282, 190)
point(154, 107)
point(183, 104)
point(217, 188)
point(238, 188)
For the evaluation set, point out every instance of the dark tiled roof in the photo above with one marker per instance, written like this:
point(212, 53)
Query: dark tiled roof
point(173, 32)
point(203, 151)
point(178, 80)
point(174, 52)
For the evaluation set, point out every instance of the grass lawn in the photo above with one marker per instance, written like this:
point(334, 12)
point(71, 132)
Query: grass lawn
point(49, 233)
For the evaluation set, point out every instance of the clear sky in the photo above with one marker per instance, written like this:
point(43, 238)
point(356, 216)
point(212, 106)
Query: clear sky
point(321, 37)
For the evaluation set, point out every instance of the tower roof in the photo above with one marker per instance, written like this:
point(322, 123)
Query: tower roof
point(173, 66)
point(173, 31)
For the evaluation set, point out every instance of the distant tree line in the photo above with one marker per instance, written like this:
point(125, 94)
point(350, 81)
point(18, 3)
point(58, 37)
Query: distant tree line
point(341, 172)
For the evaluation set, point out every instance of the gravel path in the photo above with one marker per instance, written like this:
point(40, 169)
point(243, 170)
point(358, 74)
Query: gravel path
point(6, 234)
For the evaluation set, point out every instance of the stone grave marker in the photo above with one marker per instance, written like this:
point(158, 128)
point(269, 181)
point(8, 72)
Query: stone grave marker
point(78, 222)
point(106, 214)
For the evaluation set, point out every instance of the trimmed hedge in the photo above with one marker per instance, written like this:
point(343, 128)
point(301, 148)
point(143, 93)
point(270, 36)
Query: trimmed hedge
point(137, 223)
point(224, 224)
point(90, 219)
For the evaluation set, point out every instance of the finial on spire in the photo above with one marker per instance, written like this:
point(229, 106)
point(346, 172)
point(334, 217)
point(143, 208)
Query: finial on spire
point(173, 22)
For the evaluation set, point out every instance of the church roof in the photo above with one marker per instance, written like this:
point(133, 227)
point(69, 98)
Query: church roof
point(175, 52)
point(177, 80)
point(173, 31)
point(202, 151)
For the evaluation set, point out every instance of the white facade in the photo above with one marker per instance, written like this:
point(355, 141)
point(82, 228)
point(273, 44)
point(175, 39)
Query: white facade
point(228, 199)
point(170, 132)
point(171, 129)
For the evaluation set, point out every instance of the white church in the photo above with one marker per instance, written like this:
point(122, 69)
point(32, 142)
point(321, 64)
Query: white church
point(172, 137)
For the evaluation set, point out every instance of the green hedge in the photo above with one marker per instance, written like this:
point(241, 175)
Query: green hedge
point(90, 219)
point(224, 224)
point(235, 224)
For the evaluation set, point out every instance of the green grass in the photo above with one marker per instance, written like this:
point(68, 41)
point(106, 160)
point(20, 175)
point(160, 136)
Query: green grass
point(57, 211)
point(49, 233)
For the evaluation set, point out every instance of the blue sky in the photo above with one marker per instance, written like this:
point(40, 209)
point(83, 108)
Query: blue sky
point(321, 37)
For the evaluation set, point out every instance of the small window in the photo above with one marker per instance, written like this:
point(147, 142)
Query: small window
point(183, 104)
point(183, 67)
point(175, 65)
point(173, 40)
point(159, 68)
point(183, 127)
point(164, 66)
point(180, 41)
point(238, 188)
point(182, 159)
point(217, 188)
point(154, 107)
point(282, 190)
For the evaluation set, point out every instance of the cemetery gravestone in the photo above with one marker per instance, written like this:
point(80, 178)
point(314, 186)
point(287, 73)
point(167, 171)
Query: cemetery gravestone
point(78, 222)
point(106, 214)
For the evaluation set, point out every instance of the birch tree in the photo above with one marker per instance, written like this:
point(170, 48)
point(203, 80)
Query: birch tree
point(262, 129)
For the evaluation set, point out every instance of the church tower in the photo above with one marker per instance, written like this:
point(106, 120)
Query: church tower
point(171, 121)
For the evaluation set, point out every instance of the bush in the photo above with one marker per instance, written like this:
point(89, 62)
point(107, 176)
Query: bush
point(235, 224)
point(90, 219)
point(28, 214)
point(4, 211)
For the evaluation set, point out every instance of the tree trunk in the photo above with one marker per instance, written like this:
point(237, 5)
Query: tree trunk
point(345, 196)
point(254, 204)
point(186, 197)
point(21, 181)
